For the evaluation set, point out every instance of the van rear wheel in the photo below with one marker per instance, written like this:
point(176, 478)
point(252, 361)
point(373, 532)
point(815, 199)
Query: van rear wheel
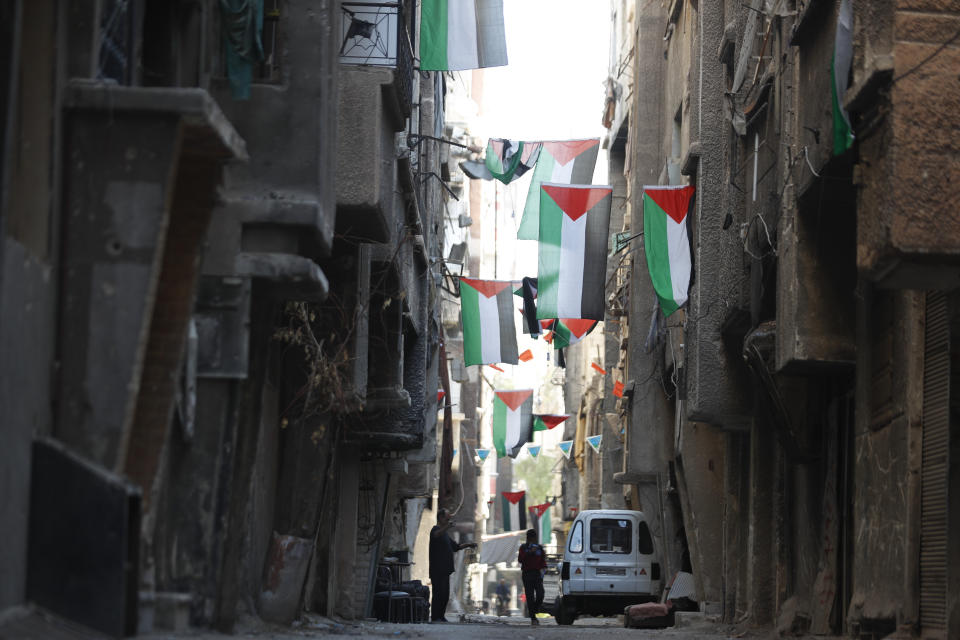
point(565, 614)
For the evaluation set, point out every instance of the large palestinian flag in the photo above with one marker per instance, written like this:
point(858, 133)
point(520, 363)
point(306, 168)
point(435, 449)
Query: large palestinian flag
point(540, 520)
point(514, 505)
point(462, 34)
point(667, 244)
point(512, 421)
point(507, 160)
point(560, 162)
point(489, 332)
point(574, 223)
point(545, 421)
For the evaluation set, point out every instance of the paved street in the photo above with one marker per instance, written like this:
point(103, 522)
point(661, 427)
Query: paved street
point(473, 627)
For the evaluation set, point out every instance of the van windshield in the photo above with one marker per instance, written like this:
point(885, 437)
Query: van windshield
point(610, 535)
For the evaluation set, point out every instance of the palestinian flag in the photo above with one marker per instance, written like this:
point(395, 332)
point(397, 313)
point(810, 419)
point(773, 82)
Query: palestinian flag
point(561, 162)
point(667, 244)
point(839, 76)
point(512, 421)
point(514, 510)
point(545, 421)
point(462, 34)
point(507, 160)
point(489, 332)
point(568, 331)
point(574, 226)
point(540, 520)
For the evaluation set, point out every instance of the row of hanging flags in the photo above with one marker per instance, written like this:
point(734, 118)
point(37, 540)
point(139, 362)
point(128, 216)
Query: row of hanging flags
point(568, 217)
point(517, 516)
point(514, 426)
point(567, 298)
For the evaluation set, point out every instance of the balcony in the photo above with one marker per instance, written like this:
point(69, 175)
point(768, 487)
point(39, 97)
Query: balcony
point(376, 34)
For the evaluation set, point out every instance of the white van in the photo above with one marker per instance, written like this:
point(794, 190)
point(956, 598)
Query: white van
point(609, 563)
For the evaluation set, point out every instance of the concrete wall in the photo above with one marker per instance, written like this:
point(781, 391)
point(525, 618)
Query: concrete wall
point(700, 473)
point(28, 278)
point(885, 450)
point(910, 224)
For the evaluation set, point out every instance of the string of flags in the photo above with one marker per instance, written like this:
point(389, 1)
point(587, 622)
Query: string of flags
point(569, 218)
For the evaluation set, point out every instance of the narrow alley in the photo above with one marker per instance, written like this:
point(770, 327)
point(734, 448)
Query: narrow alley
point(326, 318)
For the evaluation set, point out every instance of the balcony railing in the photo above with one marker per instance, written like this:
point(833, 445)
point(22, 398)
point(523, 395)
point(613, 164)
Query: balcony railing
point(375, 33)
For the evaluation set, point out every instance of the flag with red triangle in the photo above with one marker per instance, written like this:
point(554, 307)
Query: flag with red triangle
point(540, 520)
point(667, 244)
point(560, 162)
point(489, 329)
point(574, 226)
point(514, 505)
point(545, 421)
point(569, 331)
point(512, 421)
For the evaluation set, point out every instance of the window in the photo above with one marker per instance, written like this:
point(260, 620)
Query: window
point(269, 68)
point(576, 538)
point(611, 535)
point(644, 540)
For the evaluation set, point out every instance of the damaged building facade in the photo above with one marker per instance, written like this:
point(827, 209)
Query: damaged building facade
point(792, 430)
point(218, 319)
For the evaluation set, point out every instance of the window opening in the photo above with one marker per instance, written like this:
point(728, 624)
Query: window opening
point(576, 538)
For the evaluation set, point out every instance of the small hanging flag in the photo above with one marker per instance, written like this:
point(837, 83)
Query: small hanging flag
point(565, 447)
point(514, 505)
point(440, 395)
point(493, 366)
point(482, 454)
point(594, 442)
point(533, 450)
point(512, 421)
point(526, 356)
point(598, 368)
point(545, 421)
point(539, 518)
point(666, 242)
point(839, 74)
point(486, 312)
point(457, 35)
point(570, 331)
point(548, 336)
point(507, 160)
point(618, 389)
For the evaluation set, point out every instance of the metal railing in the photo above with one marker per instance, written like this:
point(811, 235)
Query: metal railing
point(376, 34)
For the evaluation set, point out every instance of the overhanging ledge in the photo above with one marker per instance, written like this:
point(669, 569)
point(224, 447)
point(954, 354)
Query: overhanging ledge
point(207, 131)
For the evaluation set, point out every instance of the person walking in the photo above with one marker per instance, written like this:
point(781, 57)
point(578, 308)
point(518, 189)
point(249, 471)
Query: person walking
point(442, 548)
point(533, 564)
point(503, 598)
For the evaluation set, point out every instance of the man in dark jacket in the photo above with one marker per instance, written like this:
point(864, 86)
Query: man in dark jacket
point(442, 548)
point(533, 564)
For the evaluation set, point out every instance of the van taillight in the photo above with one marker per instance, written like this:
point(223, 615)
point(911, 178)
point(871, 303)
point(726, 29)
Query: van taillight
point(565, 571)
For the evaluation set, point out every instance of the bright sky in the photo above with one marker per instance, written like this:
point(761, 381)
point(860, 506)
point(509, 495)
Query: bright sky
point(553, 87)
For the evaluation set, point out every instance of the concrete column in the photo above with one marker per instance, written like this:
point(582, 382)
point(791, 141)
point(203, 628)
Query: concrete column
point(344, 547)
point(760, 547)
